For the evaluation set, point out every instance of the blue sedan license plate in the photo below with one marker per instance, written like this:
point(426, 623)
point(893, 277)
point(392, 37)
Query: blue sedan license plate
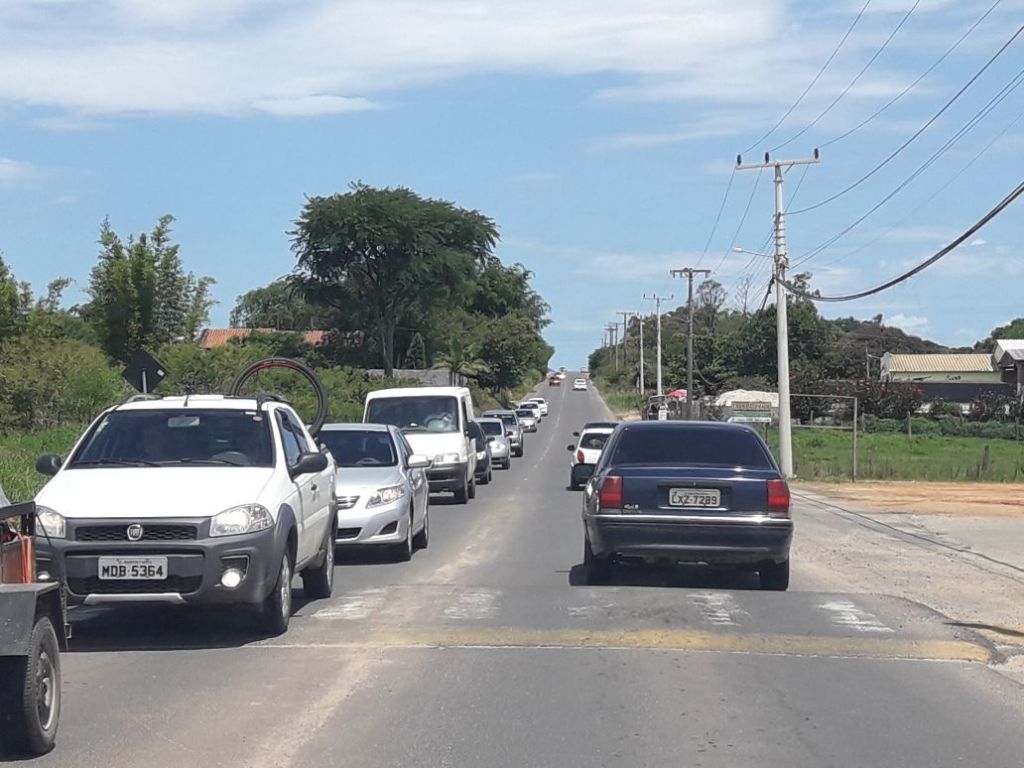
point(694, 497)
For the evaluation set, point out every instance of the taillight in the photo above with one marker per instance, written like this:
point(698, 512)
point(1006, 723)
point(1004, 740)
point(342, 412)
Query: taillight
point(580, 458)
point(610, 495)
point(778, 498)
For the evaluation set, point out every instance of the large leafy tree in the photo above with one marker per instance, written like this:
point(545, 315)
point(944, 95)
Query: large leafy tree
point(280, 306)
point(140, 294)
point(390, 253)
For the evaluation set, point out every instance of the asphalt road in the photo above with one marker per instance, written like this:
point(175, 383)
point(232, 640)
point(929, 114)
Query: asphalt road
point(485, 651)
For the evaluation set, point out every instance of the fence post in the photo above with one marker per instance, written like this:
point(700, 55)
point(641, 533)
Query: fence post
point(854, 472)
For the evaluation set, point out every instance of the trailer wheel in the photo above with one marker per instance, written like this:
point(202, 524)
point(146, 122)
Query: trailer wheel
point(30, 692)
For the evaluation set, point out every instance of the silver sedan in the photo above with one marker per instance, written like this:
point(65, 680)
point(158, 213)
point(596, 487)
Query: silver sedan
point(383, 494)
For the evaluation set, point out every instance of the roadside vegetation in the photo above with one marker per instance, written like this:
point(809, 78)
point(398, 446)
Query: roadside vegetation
point(392, 279)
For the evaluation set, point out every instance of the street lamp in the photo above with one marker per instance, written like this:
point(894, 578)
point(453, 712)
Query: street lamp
point(782, 356)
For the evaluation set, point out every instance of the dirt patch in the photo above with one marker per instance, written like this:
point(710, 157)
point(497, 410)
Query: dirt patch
point(955, 499)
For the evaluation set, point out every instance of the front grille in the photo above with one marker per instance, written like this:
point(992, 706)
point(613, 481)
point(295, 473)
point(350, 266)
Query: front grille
point(153, 532)
point(347, 502)
point(95, 586)
point(348, 533)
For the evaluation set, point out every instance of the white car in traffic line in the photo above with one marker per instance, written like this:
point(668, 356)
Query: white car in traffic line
point(542, 403)
point(579, 385)
point(382, 487)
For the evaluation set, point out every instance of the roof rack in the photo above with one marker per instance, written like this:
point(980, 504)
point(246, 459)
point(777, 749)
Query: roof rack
point(140, 397)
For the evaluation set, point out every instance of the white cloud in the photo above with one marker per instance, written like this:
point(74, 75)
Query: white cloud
point(230, 57)
point(977, 243)
point(913, 324)
point(15, 171)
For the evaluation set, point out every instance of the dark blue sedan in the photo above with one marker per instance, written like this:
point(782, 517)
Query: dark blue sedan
point(694, 492)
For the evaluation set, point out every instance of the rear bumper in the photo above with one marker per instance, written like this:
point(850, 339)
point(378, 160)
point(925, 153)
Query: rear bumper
point(746, 540)
point(450, 477)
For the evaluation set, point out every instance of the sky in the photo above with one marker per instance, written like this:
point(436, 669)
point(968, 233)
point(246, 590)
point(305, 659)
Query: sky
point(601, 136)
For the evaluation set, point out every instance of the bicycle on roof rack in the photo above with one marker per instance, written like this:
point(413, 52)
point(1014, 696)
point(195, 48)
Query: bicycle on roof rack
point(287, 364)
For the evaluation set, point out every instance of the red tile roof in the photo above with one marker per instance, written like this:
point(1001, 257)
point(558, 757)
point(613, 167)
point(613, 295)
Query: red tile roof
point(219, 337)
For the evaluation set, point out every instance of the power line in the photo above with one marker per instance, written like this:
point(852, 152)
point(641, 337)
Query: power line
point(718, 218)
point(743, 219)
point(918, 132)
point(810, 85)
point(914, 84)
point(967, 127)
point(1000, 207)
point(936, 193)
point(853, 82)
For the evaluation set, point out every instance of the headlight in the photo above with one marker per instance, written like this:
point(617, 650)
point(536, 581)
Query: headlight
point(247, 518)
point(383, 496)
point(447, 458)
point(50, 524)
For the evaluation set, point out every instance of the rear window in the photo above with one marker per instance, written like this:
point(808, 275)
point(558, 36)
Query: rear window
point(524, 412)
point(492, 427)
point(594, 440)
point(704, 447)
point(360, 448)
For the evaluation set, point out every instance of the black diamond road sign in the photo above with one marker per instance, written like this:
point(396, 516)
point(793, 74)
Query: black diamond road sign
point(144, 372)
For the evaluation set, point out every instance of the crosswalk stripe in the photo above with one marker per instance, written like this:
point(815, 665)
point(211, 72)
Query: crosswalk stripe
point(474, 604)
point(846, 614)
point(719, 608)
point(354, 606)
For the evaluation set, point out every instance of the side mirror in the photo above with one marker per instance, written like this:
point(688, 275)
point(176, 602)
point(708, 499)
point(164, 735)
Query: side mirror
point(49, 464)
point(419, 461)
point(575, 434)
point(492, 439)
point(510, 433)
point(309, 464)
point(570, 448)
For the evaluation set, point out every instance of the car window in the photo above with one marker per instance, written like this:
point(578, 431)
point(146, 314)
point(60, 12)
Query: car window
point(688, 446)
point(524, 412)
point(360, 447)
point(177, 436)
point(289, 440)
point(593, 440)
point(425, 413)
point(492, 427)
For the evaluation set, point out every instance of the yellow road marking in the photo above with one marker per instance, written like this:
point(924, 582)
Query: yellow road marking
point(655, 639)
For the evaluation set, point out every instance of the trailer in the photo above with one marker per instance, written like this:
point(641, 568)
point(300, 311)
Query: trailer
point(33, 633)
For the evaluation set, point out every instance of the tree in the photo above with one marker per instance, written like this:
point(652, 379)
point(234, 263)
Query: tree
point(416, 354)
point(11, 304)
point(511, 349)
point(140, 294)
point(279, 306)
point(710, 299)
point(393, 253)
point(1012, 330)
point(461, 358)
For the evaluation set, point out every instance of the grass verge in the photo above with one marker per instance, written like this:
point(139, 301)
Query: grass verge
point(18, 454)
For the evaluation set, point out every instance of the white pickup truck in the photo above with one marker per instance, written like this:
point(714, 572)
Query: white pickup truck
point(191, 500)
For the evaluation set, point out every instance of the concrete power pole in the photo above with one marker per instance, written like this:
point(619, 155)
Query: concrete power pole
point(613, 337)
point(688, 273)
point(657, 311)
point(642, 388)
point(781, 303)
point(625, 332)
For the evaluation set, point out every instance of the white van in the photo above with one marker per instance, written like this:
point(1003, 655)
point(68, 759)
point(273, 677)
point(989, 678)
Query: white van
point(435, 421)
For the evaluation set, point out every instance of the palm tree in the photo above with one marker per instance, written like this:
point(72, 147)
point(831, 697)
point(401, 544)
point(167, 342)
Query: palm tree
point(462, 359)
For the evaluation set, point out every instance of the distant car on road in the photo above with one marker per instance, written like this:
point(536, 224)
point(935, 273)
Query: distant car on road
point(585, 453)
point(538, 413)
point(497, 436)
point(383, 492)
point(579, 385)
point(513, 429)
point(695, 492)
point(542, 403)
point(527, 418)
point(554, 380)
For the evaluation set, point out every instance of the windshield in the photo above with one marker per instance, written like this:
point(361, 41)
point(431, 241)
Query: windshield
point(429, 413)
point(360, 448)
point(688, 447)
point(524, 413)
point(186, 436)
point(594, 440)
point(492, 427)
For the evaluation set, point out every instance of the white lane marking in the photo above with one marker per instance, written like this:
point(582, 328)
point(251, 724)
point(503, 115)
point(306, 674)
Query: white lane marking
point(846, 614)
point(474, 604)
point(587, 611)
point(719, 608)
point(358, 605)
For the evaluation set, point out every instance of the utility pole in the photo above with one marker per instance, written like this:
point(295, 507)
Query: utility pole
point(613, 338)
point(657, 311)
point(625, 332)
point(688, 273)
point(642, 389)
point(781, 302)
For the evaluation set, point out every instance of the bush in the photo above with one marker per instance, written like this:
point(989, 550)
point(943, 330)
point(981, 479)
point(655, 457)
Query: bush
point(54, 382)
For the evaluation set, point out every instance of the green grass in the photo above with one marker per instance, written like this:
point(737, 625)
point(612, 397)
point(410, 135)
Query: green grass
point(827, 455)
point(18, 454)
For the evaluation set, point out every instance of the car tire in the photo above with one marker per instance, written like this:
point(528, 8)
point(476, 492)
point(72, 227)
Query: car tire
point(30, 693)
point(520, 451)
point(471, 492)
point(403, 550)
point(318, 581)
point(462, 494)
point(276, 609)
point(596, 570)
point(422, 539)
point(774, 576)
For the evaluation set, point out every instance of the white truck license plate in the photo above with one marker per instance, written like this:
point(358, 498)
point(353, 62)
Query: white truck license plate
point(133, 568)
point(694, 497)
